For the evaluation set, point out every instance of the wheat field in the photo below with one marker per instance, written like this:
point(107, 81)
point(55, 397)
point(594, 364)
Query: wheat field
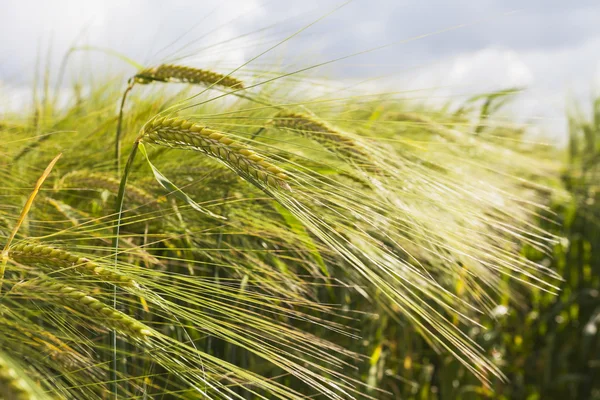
point(184, 232)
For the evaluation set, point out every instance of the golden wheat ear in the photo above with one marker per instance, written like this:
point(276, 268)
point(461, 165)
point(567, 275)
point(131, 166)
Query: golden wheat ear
point(178, 73)
point(180, 133)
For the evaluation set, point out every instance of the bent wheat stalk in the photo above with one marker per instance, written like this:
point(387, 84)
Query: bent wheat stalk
point(130, 85)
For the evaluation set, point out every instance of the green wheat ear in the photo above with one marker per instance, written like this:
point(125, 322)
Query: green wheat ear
point(180, 133)
point(332, 138)
point(93, 180)
point(91, 307)
point(178, 73)
point(46, 256)
point(171, 73)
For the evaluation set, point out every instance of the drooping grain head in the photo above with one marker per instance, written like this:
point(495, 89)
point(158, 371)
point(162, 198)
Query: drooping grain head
point(45, 342)
point(46, 256)
point(92, 308)
point(320, 131)
point(425, 123)
point(177, 73)
point(92, 180)
point(180, 133)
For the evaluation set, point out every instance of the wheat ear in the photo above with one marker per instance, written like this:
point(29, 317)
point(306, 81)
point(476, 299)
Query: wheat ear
point(53, 347)
point(178, 73)
point(427, 124)
point(39, 254)
point(91, 180)
point(171, 73)
point(91, 307)
point(180, 133)
point(319, 131)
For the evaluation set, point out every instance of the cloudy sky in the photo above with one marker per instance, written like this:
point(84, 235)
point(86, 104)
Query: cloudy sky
point(454, 47)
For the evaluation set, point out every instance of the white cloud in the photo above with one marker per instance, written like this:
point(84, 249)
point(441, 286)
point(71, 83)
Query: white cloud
point(550, 47)
point(550, 77)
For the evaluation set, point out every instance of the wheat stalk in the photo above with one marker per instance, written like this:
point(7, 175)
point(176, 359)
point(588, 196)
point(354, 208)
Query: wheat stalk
point(180, 133)
point(39, 254)
point(90, 307)
point(178, 73)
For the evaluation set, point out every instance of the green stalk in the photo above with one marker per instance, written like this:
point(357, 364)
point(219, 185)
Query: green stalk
point(119, 123)
point(114, 389)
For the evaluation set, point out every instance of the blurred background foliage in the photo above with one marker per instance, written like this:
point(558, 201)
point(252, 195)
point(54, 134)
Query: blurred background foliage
point(547, 344)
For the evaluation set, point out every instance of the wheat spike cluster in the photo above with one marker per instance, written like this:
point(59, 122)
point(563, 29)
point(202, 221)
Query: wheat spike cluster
point(320, 277)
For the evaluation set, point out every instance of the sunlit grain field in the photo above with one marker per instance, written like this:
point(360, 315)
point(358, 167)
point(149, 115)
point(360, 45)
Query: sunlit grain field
point(190, 231)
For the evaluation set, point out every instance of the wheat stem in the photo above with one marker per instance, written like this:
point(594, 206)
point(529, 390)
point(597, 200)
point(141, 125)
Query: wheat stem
point(130, 85)
point(24, 212)
point(114, 387)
